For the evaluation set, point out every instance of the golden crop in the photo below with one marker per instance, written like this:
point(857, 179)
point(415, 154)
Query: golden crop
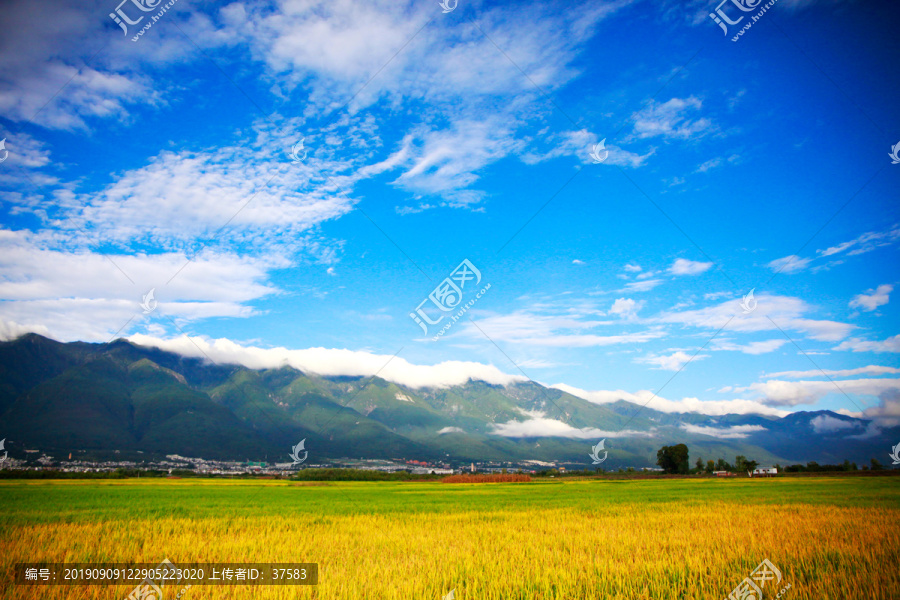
point(584, 539)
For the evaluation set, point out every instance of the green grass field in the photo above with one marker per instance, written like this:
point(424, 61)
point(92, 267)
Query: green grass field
point(831, 537)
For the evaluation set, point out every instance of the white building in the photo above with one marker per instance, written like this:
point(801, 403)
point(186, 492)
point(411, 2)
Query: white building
point(430, 470)
point(766, 471)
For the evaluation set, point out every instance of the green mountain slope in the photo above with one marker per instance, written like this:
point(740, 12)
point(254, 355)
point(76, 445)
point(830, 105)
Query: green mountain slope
point(124, 397)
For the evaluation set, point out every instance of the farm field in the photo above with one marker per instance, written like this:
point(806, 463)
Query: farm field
point(831, 538)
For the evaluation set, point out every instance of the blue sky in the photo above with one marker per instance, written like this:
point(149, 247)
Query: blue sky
point(430, 138)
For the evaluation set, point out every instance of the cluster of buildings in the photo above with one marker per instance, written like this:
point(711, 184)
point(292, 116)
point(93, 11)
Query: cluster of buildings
point(36, 460)
point(758, 472)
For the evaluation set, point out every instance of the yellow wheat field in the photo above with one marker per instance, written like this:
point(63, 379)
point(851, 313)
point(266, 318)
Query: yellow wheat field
point(831, 538)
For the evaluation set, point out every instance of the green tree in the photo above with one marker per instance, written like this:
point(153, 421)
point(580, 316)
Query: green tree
point(722, 465)
point(699, 465)
point(710, 466)
point(876, 466)
point(673, 459)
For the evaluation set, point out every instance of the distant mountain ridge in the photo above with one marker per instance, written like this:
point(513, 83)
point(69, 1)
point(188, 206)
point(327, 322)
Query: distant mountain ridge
point(103, 398)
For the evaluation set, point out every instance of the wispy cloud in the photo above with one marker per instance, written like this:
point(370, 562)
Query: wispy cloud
point(771, 313)
point(735, 432)
point(642, 286)
point(671, 362)
point(789, 264)
point(863, 244)
point(869, 370)
point(758, 347)
point(891, 344)
point(676, 118)
point(685, 405)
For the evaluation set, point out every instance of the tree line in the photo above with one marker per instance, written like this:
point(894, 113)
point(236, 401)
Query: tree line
point(675, 460)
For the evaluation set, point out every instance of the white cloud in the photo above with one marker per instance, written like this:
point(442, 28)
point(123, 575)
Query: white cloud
point(625, 307)
point(25, 152)
point(735, 432)
point(789, 264)
point(829, 424)
point(642, 286)
point(451, 430)
point(672, 119)
point(333, 362)
point(445, 162)
point(717, 295)
point(866, 242)
point(872, 300)
point(776, 392)
point(869, 370)
point(760, 347)
point(343, 43)
point(179, 197)
point(54, 72)
point(540, 426)
point(10, 330)
point(786, 312)
point(632, 268)
point(83, 295)
point(891, 344)
point(672, 362)
point(552, 327)
point(579, 144)
point(466, 102)
point(708, 165)
point(685, 405)
point(885, 415)
point(683, 266)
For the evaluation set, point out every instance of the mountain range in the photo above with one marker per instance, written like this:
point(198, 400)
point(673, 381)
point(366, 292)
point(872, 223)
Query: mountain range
point(122, 398)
